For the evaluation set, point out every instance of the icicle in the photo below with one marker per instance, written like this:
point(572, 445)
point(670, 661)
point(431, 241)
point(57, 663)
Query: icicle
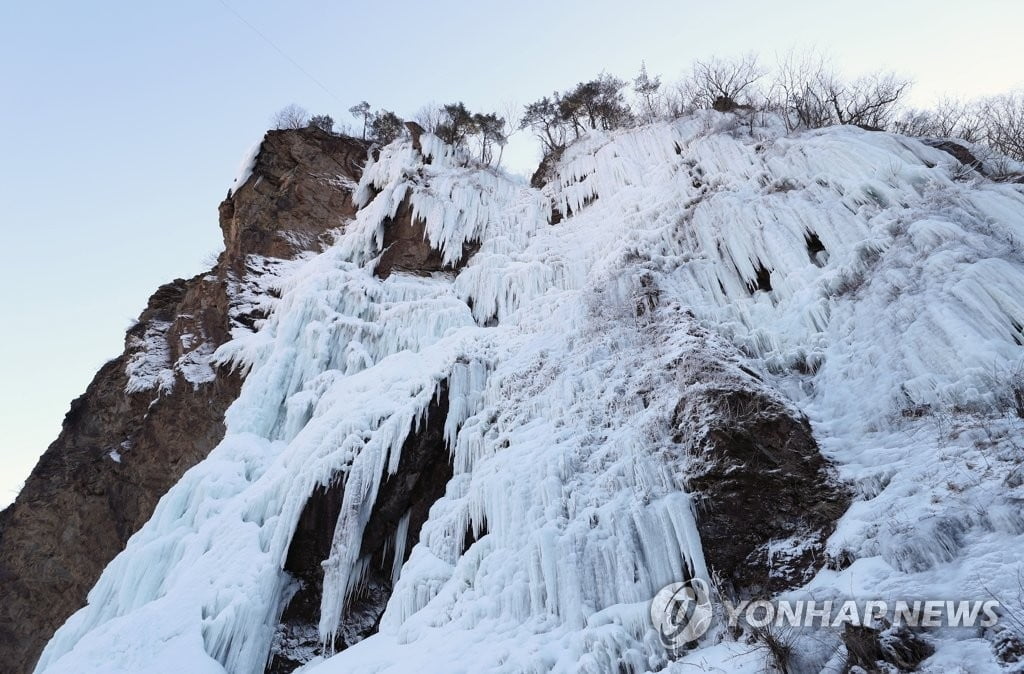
point(401, 540)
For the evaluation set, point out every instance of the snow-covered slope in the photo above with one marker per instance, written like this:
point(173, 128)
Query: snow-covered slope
point(860, 276)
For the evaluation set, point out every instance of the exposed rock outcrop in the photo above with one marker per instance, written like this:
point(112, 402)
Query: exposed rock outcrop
point(157, 409)
point(300, 189)
point(546, 169)
point(883, 648)
point(768, 499)
point(415, 132)
point(996, 170)
point(407, 249)
point(956, 150)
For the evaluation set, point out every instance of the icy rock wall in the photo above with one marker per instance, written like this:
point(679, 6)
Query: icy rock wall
point(851, 272)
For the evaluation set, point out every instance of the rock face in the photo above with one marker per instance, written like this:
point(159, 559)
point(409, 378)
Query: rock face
point(884, 648)
point(300, 189)
point(546, 168)
point(157, 409)
point(99, 481)
point(407, 249)
point(768, 499)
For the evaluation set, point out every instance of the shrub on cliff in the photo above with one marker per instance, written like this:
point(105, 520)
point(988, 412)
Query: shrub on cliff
point(322, 122)
point(291, 116)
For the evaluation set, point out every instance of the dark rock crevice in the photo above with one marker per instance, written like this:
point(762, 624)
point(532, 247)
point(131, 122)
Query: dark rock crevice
point(815, 249)
point(403, 503)
point(545, 171)
point(762, 279)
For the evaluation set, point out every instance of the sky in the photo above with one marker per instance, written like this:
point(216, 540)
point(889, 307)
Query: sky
point(123, 124)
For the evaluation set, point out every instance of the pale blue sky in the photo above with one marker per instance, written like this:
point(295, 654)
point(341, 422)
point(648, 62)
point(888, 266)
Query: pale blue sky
point(123, 123)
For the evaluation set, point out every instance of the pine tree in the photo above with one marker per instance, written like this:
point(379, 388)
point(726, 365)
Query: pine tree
point(386, 126)
point(646, 88)
point(362, 111)
point(322, 122)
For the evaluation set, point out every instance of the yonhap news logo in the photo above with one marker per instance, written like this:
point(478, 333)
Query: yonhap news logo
point(683, 612)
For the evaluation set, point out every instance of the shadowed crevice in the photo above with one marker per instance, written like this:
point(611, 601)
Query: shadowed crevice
point(402, 505)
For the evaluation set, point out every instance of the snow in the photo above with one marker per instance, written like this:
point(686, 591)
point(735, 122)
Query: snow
point(565, 349)
point(245, 167)
point(149, 367)
point(195, 365)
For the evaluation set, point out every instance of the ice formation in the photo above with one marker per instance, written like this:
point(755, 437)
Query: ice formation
point(857, 272)
point(150, 365)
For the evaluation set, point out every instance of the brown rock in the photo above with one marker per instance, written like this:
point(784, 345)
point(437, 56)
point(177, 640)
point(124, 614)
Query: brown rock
point(407, 249)
point(300, 190)
point(415, 131)
point(546, 168)
point(760, 478)
point(885, 649)
point(80, 505)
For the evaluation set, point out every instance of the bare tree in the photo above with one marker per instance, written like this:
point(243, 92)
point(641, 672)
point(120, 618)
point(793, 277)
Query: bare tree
point(867, 101)
point(995, 123)
point(510, 111)
point(429, 117)
point(949, 118)
point(724, 84)
point(291, 117)
point(808, 92)
point(918, 122)
point(1002, 119)
point(794, 90)
point(677, 100)
point(510, 114)
point(955, 119)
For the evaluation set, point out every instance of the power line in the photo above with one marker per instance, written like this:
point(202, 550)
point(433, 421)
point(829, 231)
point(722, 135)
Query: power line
point(281, 51)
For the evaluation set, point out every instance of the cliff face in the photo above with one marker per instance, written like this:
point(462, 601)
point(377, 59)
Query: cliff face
point(157, 409)
point(490, 421)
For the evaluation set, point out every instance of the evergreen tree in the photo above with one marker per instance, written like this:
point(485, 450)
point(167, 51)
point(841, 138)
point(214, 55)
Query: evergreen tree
point(543, 117)
point(492, 132)
point(322, 122)
point(386, 126)
point(362, 111)
point(646, 87)
point(457, 124)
